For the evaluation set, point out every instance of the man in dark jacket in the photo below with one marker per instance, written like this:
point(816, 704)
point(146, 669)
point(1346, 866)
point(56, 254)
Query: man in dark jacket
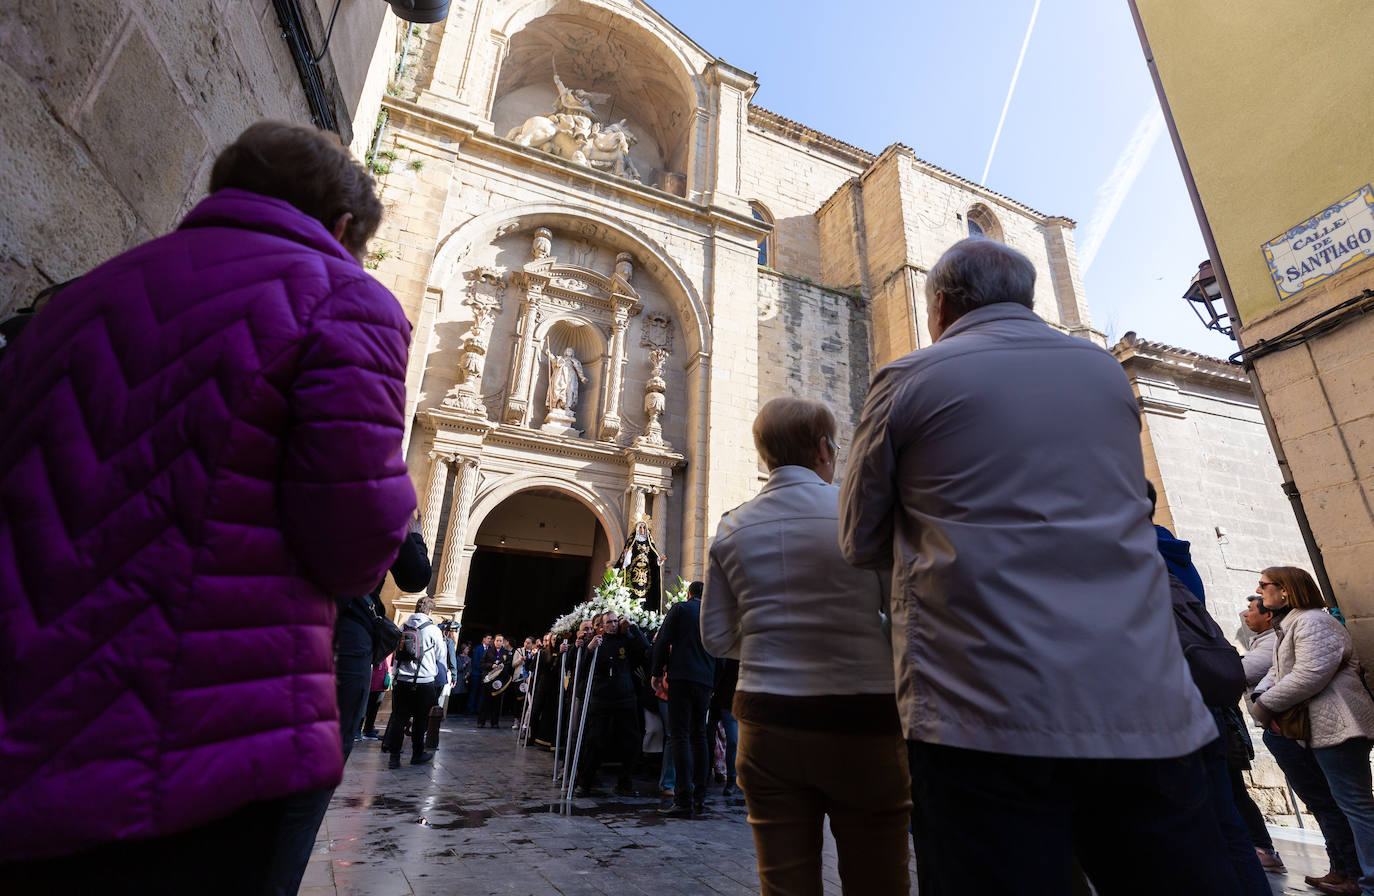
point(691, 674)
point(498, 653)
point(612, 710)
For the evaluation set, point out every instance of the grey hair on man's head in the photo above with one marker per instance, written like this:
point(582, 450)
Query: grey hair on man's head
point(977, 271)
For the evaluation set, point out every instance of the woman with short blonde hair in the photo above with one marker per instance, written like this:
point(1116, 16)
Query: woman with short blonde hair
point(819, 733)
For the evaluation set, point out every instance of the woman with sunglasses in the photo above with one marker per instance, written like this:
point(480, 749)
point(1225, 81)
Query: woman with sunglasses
point(1315, 666)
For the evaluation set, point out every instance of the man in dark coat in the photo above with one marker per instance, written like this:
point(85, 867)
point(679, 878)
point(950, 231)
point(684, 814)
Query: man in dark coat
point(498, 653)
point(691, 674)
point(612, 711)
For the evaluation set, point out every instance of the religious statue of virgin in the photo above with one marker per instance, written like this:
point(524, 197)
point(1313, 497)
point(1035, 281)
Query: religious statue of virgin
point(642, 564)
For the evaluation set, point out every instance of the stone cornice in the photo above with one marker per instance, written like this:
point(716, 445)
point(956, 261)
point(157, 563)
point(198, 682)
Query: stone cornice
point(484, 147)
point(950, 177)
point(491, 434)
point(1131, 350)
point(778, 124)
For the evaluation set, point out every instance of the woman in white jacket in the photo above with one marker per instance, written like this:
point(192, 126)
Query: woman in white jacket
point(1314, 663)
point(819, 731)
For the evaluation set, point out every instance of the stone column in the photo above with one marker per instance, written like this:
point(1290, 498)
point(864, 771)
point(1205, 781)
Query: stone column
point(637, 500)
point(661, 521)
point(464, 489)
point(610, 420)
point(434, 496)
point(517, 402)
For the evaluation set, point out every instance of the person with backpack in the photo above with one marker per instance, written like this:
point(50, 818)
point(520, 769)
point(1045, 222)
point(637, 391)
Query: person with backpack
point(417, 683)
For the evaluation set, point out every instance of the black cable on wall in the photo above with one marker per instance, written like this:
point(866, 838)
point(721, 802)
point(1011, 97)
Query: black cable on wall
point(307, 64)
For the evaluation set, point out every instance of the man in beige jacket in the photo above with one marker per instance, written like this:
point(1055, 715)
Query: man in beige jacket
point(1047, 706)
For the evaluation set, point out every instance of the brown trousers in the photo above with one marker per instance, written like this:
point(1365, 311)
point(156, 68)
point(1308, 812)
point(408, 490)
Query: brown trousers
point(793, 779)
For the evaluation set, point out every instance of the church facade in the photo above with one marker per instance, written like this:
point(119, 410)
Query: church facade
point(612, 258)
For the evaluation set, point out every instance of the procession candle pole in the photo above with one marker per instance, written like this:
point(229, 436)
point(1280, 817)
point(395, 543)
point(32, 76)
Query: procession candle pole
point(562, 736)
point(582, 724)
point(522, 738)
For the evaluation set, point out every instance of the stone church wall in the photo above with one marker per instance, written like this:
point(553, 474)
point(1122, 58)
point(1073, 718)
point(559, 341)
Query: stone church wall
point(814, 343)
point(792, 180)
point(114, 112)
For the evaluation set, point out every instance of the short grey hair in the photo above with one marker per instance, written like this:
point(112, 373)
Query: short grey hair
point(977, 271)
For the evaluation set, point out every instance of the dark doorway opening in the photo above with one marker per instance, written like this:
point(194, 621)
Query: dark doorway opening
point(519, 595)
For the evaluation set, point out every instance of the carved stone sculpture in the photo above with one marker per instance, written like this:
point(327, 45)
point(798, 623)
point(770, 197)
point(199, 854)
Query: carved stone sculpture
point(542, 245)
point(565, 371)
point(654, 401)
point(573, 132)
point(484, 298)
point(624, 266)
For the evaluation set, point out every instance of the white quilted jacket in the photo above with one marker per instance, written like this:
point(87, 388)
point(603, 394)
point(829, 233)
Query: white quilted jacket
point(1315, 661)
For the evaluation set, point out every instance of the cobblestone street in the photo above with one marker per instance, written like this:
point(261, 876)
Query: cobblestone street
point(483, 818)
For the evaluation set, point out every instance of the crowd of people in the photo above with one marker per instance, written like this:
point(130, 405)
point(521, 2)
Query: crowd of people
point(977, 649)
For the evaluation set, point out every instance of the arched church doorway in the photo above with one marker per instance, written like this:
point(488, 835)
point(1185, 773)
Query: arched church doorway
point(538, 554)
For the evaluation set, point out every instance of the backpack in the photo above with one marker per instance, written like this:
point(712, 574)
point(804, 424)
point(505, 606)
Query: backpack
point(410, 650)
point(1212, 662)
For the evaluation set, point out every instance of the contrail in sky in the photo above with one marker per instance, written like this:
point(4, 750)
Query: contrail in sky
point(1010, 90)
point(1118, 184)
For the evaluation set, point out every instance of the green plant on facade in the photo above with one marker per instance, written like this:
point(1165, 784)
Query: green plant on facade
point(416, 164)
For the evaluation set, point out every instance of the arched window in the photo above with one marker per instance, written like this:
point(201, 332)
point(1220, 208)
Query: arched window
point(766, 244)
point(982, 223)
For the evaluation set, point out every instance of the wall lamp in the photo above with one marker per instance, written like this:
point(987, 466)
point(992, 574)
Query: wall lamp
point(423, 12)
point(1204, 297)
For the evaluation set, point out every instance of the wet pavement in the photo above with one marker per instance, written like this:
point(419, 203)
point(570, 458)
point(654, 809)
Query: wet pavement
point(485, 818)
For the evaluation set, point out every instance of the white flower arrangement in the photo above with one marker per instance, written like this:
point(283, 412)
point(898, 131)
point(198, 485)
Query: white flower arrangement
point(612, 594)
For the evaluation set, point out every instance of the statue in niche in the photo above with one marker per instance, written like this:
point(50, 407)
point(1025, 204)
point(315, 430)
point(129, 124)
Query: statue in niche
point(565, 371)
point(575, 102)
point(573, 132)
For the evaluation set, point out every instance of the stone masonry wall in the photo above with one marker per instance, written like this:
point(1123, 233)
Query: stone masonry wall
point(792, 181)
point(114, 112)
point(814, 343)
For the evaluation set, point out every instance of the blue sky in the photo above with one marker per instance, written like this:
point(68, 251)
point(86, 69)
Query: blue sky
point(1082, 138)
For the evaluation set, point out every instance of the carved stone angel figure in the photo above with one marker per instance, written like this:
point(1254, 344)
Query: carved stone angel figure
point(565, 371)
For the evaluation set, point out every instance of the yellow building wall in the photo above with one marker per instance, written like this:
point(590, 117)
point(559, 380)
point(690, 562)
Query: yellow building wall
point(1273, 103)
point(1272, 100)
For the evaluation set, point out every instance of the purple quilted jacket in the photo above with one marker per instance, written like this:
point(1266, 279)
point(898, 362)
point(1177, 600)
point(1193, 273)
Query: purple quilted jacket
point(199, 445)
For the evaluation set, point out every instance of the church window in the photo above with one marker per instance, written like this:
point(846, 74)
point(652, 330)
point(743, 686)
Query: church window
point(766, 244)
point(982, 223)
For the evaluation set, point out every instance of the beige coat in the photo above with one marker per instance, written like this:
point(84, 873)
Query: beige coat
point(1001, 469)
point(781, 599)
point(1314, 660)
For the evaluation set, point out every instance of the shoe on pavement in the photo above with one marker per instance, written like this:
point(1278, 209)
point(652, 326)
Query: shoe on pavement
point(730, 789)
point(1335, 883)
point(1269, 860)
point(625, 787)
point(395, 761)
point(374, 734)
point(422, 758)
point(675, 811)
point(699, 809)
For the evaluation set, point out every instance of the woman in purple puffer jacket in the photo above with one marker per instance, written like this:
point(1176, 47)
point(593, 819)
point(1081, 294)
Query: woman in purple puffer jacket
point(200, 447)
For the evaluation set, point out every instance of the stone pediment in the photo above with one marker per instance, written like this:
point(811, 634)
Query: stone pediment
point(572, 286)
